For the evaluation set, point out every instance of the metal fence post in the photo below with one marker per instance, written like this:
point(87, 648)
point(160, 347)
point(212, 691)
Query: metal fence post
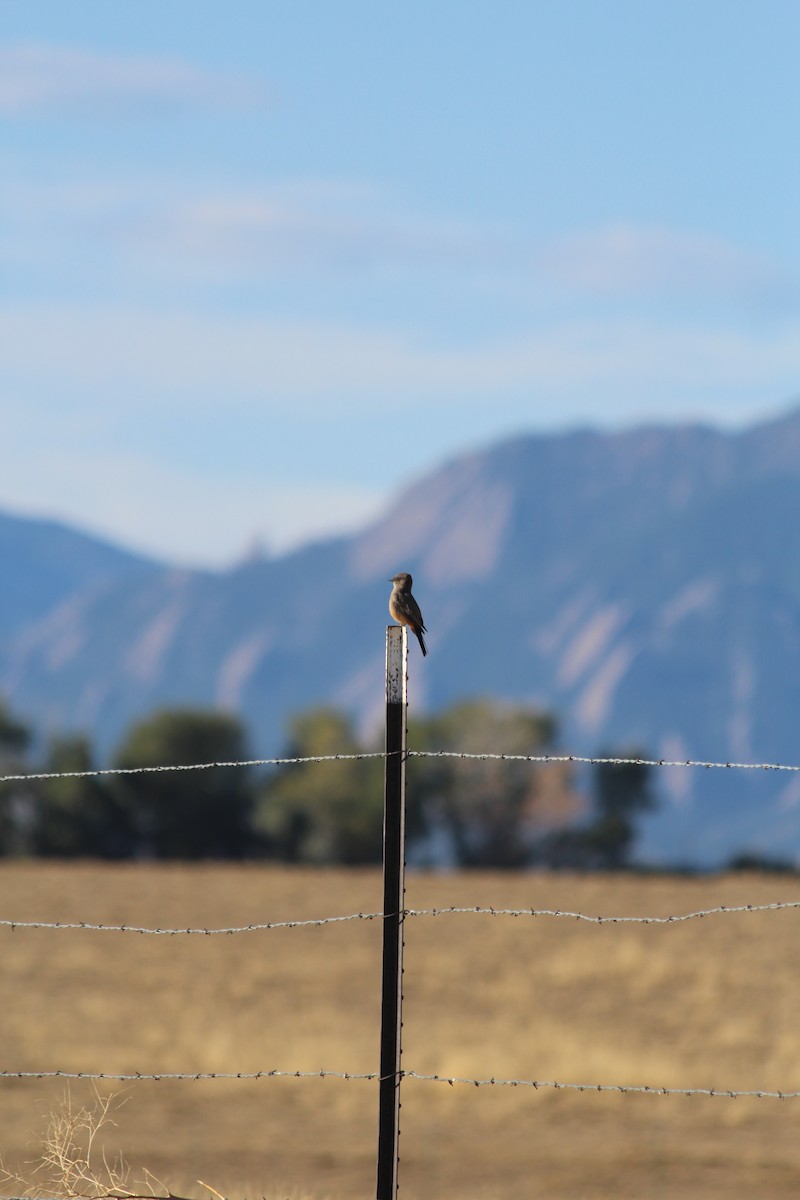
point(394, 818)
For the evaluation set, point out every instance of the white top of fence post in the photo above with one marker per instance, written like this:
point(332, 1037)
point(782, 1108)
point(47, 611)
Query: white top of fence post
point(396, 659)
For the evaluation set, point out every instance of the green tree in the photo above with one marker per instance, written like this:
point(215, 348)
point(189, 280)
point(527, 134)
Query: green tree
point(324, 812)
point(17, 798)
point(186, 814)
point(492, 812)
point(621, 793)
point(79, 816)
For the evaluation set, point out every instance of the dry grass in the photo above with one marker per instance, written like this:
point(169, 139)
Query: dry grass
point(705, 1003)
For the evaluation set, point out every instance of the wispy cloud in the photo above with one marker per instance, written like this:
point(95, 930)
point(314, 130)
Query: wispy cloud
point(38, 78)
point(356, 230)
point(177, 231)
point(628, 259)
point(313, 225)
point(173, 231)
point(193, 358)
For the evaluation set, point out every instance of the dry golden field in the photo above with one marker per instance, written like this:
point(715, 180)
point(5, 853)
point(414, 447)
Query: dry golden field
point(705, 1003)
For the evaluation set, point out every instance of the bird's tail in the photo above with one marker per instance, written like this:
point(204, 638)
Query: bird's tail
point(421, 641)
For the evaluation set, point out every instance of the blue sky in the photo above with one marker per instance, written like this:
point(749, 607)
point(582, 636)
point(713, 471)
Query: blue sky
point(265, 263)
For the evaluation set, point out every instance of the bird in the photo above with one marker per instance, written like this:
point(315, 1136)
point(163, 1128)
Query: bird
point(404, 608)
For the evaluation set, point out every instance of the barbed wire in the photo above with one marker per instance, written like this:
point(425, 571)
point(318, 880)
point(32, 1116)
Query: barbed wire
point(252, 928)
point(480, 910)
point(600, 920)
point(452, 1080)
point(623, 1089)
point(204, 766)
point(193, 1076)
point(541, 759)
point(605, 761)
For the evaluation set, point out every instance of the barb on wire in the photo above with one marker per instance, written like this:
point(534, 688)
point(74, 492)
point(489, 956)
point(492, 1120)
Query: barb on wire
point(623, 762)
point(480, 910)
point(318, 758)
point(452, 1080)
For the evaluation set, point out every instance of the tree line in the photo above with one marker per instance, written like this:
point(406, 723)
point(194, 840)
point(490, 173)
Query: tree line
point(461, 813)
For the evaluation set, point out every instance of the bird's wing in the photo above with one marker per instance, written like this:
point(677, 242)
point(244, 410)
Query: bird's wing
point(412, 608)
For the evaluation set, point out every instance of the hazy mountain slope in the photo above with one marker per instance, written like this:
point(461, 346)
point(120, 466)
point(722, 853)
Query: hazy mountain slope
point(45, 561)
point(645, 585)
